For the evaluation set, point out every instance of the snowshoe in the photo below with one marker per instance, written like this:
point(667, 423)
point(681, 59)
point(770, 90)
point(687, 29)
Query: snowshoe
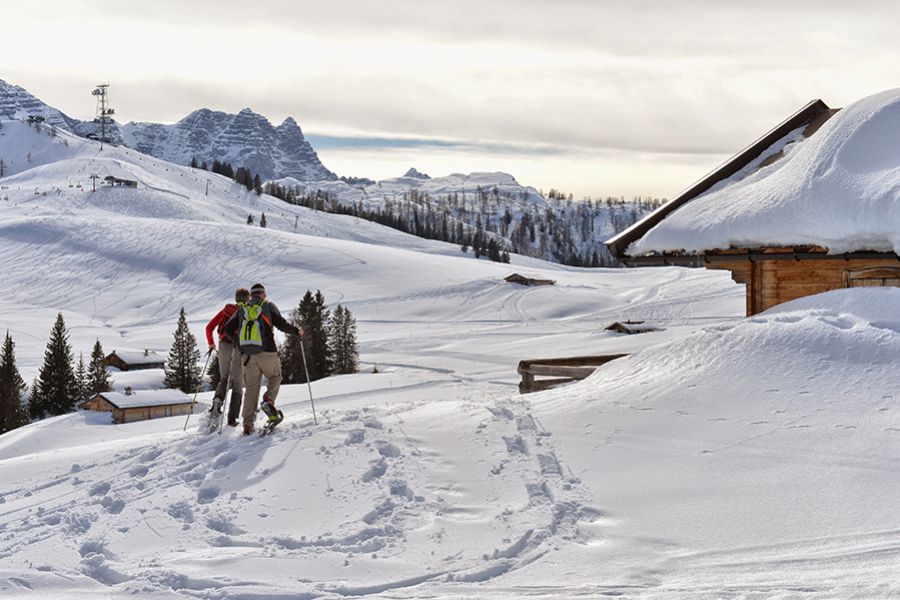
point(274, 419)
point(215, 415)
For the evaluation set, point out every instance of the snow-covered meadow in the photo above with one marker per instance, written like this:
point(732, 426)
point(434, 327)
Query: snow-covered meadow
point(725, 458)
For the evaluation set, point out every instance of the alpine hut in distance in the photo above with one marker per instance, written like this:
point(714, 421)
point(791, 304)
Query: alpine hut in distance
point(140, 405)
point(812, 206)
point(135, 360)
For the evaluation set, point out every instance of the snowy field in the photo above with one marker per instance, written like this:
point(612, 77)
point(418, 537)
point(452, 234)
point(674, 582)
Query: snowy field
point(725, 458)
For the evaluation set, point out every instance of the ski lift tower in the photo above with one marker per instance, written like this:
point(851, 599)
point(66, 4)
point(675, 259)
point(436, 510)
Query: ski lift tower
point(104, 112)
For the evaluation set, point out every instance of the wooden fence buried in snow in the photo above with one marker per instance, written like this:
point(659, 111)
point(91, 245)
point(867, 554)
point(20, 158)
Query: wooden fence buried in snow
point(561, 370)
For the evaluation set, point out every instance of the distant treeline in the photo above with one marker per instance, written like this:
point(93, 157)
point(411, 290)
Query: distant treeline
point(486, 220)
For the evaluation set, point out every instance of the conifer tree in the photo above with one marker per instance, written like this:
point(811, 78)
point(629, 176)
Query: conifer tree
point(262, 220)
point(312, 317)
point(82, 381)
point(12, 386)
point(315, 337)
point(181, 368)
point(98, 376)
point(342, 339)
point(55, 393)
point(290, 351)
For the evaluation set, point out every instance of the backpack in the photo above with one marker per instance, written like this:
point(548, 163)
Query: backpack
point(229, 310)
point(250, 340)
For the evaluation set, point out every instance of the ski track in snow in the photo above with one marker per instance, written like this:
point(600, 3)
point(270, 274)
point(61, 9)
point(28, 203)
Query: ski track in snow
point(200, 485)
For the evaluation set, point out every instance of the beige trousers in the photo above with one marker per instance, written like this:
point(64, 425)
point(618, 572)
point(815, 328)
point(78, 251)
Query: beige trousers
point(230, 362)
point(255, 366)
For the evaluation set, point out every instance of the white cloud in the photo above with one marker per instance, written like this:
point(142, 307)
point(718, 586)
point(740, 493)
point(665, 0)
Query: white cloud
point(604, 78)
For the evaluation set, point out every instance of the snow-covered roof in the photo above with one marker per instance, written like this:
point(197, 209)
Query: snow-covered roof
point(139, 357)
point(838, 189)
point(141, 398)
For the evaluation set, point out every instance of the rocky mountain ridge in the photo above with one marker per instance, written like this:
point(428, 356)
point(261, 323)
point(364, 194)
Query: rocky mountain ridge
point(246, 139)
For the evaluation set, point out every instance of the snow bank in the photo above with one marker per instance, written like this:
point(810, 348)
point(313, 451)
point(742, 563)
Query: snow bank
point(839, 189)
point(762, 451)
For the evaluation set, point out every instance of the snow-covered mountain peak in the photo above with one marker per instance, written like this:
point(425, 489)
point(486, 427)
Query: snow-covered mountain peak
point(246, 139)
point(289, 127)
point(413, 172)
point(17, 103)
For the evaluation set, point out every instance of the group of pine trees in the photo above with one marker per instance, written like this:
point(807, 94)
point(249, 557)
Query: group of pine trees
point(61, 385)
point(329, 341)
point(241, 175)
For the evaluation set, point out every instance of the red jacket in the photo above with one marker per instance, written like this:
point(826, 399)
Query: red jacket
point(218, 323)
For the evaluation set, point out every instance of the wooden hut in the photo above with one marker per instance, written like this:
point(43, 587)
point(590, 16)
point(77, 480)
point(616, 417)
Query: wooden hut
point(773, 272)
point(631, 327)
point(523, 280)
point(119, 182)
point(135, 360)
point(140, 405)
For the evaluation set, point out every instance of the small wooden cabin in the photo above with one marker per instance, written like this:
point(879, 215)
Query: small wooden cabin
point(773, 274)
point(118, 182)
point(135, 360)
point(140, 405)
point(631, 327)
point(522, 280)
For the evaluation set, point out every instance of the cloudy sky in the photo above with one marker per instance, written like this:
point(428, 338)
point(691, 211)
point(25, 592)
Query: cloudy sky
point(592, 97)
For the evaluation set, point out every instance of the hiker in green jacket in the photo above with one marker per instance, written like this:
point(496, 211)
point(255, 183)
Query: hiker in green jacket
point(254, 327)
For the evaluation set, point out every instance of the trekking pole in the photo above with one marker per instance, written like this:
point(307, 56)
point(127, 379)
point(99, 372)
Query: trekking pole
point(199, 385)
point(308, 384)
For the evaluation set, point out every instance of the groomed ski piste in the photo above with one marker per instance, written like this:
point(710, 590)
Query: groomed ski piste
point(725, 458)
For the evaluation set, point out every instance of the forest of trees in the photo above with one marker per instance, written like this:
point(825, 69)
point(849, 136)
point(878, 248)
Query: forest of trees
point(61, 385)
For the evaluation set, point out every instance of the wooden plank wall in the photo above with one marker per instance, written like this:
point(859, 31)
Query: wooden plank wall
point(773, 282)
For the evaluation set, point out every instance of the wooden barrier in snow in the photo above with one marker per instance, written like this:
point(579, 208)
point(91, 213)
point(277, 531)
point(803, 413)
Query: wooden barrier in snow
point(561, 370)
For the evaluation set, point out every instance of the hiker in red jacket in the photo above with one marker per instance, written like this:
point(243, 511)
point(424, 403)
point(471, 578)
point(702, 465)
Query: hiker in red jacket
point(229, 358)
point(254, 328)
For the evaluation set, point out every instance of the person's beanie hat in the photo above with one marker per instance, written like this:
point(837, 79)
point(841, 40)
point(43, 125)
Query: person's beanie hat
point(257, 289)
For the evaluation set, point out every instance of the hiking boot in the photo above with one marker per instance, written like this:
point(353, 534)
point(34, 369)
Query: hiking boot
point(216, 405)
point(232, 422)
point(268, 407)
point(248, 428)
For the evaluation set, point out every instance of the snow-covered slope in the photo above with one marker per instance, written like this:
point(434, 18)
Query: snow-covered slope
point(837, 189)
point(742, 458)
